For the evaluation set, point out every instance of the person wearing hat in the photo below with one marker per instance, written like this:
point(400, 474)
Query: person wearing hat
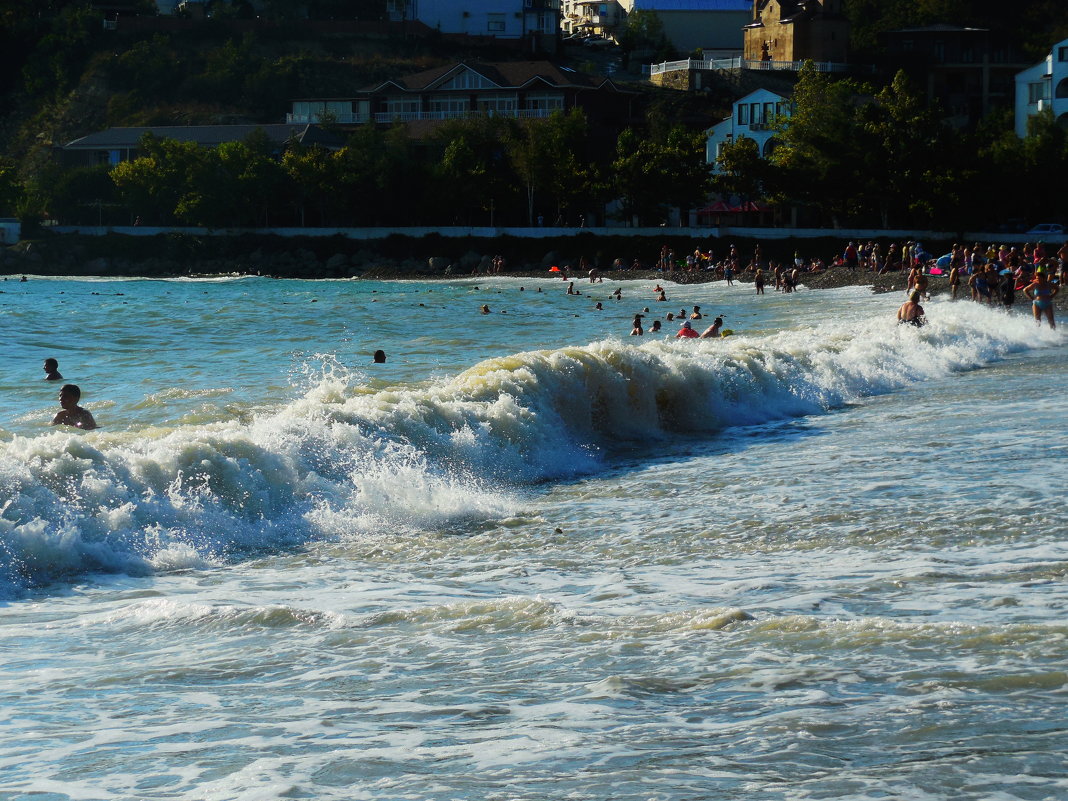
point(686, 332)
point(637, 330)
point(1041, 293)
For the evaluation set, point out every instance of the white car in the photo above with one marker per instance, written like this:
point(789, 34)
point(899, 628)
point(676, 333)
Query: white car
point(1046, 229)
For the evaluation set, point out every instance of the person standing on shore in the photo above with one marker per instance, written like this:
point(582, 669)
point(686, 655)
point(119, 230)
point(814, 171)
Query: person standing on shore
point(1041, 293)
point(758, 282)
point(954, 281)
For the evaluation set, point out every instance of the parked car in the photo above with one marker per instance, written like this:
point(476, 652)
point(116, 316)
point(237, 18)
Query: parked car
point(1046, 229)
point(598, 42)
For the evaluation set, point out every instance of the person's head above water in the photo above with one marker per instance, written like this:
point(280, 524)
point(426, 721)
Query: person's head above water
point(51, 369)
point(69, 395)
point(380, 357)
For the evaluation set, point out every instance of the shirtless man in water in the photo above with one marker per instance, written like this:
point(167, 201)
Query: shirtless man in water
point(72, 414)
point(911, 311)
point(713, 330)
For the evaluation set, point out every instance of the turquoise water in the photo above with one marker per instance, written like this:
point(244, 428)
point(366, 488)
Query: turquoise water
point(529, 557)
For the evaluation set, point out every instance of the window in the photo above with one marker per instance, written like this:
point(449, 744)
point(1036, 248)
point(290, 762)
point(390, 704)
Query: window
point(467, 80)
point(743, 114)
point(1062, 53)
point(755, 117)
point(545, 102)
point(769, 113)
point(498, 103)
point(402, 105)
point(1036, 92)
point(449, 106)
point(495, 23)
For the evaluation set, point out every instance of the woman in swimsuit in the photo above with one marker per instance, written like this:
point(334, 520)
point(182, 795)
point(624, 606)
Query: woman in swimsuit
point(1041, 293)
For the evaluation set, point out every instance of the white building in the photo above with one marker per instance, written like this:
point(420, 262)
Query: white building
point(753, 116)
point(503, 19)
point(1043, 86)
point(592, 17)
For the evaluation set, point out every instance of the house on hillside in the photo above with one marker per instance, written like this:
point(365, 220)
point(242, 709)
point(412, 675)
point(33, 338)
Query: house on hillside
point(968, 71)
point(536, 21)
point(788, 31)
point(518, 89)
point(592, 17)
point(123, 144)
point(713, 25)
point(1043, 86)
point(753, 116)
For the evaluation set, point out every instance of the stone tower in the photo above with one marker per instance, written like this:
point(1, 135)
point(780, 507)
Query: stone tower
point(797, 30)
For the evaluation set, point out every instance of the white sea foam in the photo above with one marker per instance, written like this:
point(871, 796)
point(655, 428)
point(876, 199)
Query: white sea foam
point(341, 460)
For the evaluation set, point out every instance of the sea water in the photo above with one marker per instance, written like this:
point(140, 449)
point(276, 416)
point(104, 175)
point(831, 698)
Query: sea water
point(528, 557)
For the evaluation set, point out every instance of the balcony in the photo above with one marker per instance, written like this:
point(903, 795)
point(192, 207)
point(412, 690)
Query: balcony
point(743, 64)
point(315, 119)
point(415, 116)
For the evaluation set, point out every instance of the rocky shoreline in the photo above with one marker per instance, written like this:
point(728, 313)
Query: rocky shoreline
point(310, 258)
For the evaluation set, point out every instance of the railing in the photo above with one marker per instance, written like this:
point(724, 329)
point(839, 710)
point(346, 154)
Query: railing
point(412, 116)
point(741, 63)
point(316, 118)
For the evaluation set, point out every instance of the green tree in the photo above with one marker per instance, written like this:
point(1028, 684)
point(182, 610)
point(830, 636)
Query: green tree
point(823, 148)
point(166, 182)
point(911, 175)
point(11, 188)
point(741, 170)
point(650, 176)
point(544, 155)
point(644, 32)
point(311, 179)
point(475, 172)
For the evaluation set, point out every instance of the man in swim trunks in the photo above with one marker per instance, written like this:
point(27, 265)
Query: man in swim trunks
point(911, 311)
point(72, 414)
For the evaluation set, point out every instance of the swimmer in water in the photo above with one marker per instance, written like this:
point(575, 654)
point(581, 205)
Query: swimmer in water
point(51, 370)
point(72, 414)
point(637, 329)
point(655, 329)
point(484, 308)
point(911, 311)
point(686, 332)
point(713, 330)
point(380, 357)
